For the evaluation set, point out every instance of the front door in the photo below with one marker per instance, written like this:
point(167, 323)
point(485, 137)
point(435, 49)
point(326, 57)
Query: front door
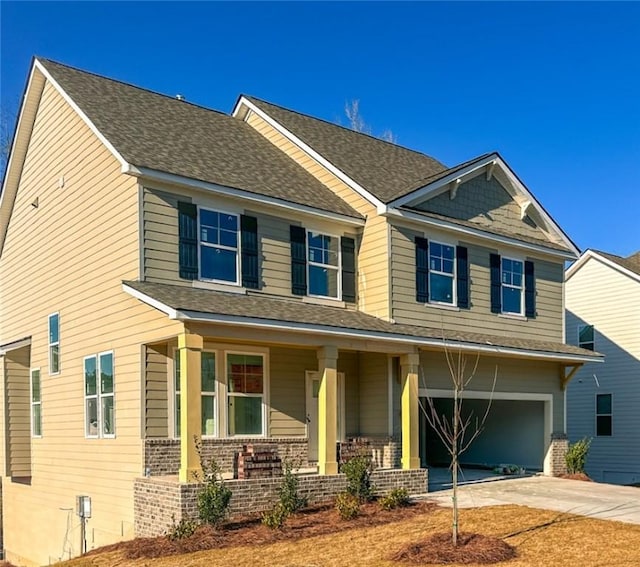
point(313, 387)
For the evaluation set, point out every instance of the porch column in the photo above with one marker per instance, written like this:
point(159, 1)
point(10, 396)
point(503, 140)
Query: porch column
point(327, 410)
point(190, 347)
point(409, 364)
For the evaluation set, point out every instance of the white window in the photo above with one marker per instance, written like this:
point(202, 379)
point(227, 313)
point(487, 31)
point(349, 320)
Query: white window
point(245, 391)
point(511, 277)
point(219, 246)
point(323, 254)
point(54, 343)
point(442, 260)
point(604, 415)
point(586, 337)
point(208, 394)
point(99, 395)
point(36, 404)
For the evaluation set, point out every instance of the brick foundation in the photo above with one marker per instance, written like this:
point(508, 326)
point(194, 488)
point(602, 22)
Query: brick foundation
point(558, 451)
point(162, 456)
point(157, 499)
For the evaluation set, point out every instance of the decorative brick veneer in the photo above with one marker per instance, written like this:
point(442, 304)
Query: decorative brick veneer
point(558, 449)
point(158, 499)
point(162, 456)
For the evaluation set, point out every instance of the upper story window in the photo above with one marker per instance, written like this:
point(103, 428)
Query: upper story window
point(604, 415)
point(586, 337)
point(511, 276)
point(322, 265)
point(54, 343)
point(219, 258)
point(99, 395)
point(442, 273)
point(36, 404)
point(323, 253)
point(513, 290)
point(217, 246)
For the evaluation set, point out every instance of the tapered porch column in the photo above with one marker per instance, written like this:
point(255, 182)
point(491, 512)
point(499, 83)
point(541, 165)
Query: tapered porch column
point(190, 347)
point(327, 410)
point(409, 364)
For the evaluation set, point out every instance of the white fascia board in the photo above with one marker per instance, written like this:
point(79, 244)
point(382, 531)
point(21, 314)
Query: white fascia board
point(124, 165)
point(310, 151)
point(169, 311)
point(14, 345)
point(485, 395)
point(452, 227)
point(431, 188)
point(144, 173)
point(253, 322)
point(571, 270)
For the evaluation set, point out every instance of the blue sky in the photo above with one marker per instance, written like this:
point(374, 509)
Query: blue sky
point(554, 87)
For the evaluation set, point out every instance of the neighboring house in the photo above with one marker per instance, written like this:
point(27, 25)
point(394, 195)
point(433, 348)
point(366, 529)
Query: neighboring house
point(172, 274)
point(603, 402)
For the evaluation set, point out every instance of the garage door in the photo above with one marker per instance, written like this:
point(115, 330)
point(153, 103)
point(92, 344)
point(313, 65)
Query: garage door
point(513, 434)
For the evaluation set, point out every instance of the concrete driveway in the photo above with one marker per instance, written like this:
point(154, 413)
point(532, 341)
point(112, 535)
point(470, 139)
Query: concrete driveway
point(593, 499)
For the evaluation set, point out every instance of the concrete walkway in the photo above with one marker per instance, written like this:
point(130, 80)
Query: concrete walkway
point(596, 500)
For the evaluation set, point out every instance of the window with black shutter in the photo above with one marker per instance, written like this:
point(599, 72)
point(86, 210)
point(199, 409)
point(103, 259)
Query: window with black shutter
point(348, 250)
point(298, 236)
point(188, 240)
point(249, 252)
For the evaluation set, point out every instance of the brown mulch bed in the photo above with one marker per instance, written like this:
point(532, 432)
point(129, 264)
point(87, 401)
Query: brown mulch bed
point(576, 476)
point(472, 548)
point(314, 521)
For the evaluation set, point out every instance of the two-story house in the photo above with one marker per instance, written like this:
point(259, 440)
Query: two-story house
point(172, 275)
point(603, 401)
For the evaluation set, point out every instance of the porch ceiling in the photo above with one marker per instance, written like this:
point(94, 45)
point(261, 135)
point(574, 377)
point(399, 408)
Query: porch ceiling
point(200, 305)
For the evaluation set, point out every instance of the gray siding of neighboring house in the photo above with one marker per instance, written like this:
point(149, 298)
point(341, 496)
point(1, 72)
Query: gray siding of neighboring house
point(604, 297)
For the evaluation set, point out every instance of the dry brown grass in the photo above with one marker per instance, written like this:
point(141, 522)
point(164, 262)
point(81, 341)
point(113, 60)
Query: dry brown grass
point(542, 538)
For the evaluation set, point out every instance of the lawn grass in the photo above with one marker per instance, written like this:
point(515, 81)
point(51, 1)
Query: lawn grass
point(541, 537)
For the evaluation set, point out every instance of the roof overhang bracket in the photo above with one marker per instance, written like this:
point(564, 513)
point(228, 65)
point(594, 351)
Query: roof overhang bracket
point(453, 188)
point(524, 205)
point(565, 377)
point(490, 167)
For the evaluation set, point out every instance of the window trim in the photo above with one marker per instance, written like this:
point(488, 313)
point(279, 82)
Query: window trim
point(337, 268)
point(592, 342)
point(53, 344)
point(237, 249)
point(98, 396)
point(32, 403)
point(520, 313)
point(609, 415)
point(454, 275)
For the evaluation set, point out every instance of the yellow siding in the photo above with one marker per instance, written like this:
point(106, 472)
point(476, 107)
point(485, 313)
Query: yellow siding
point(18, 413)
point(303, 159)
point(547, 325)
point(373, 269)
point(374, 397)
point(69, 255)
point(156, 422)
point(349, 365)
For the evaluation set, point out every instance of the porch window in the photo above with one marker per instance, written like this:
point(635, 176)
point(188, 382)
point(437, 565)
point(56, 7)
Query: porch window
point(36, 404)
point(245, 390)
point(54, 343)
point(604, 415)
point(208, 393)
point(323, 253)
point(99, 395)
point(219, 260)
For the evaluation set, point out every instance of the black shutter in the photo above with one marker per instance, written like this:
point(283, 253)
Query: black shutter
point(422, 270)
point(249, 260)
point(348, 249)
point(529, 290)
point(298, 260)
point(462, 275)
point(496, 287)
point(188, 240)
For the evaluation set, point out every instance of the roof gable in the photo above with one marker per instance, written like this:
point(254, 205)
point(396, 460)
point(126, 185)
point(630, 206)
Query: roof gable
point(629, 266)
point(382, 170)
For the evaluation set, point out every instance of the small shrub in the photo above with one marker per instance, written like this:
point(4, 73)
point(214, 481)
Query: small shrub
point(275, 517)
point(348, 505)
point(358, 472)
point(397, 498)
point(184, 528)
point(214, 499)
point(576, 456)
point(288, 495)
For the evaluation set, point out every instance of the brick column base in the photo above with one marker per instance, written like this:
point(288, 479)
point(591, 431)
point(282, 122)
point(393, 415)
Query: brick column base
point(556, 455)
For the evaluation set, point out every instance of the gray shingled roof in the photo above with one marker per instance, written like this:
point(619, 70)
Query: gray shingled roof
point(631, 263)
point(386, 170)
point(292, 311)
point(165, 134)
